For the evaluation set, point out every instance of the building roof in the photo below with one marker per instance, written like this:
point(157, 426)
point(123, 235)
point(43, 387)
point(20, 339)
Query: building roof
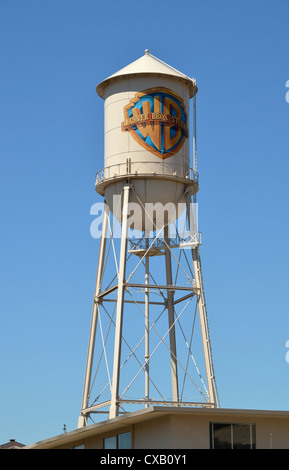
point(148, 414)
point(148, 64)
point(12, 444)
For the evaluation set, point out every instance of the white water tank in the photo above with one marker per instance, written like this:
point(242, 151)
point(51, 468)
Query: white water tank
point(147, 142)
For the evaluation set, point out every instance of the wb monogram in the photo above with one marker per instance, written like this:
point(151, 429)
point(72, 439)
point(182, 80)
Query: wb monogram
point(157, 120)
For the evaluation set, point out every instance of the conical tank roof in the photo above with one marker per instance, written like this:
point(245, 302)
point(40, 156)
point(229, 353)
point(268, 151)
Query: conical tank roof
point(148, 64)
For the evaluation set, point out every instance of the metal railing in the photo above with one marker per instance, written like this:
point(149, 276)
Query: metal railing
point(130, 168)
point(186, 241)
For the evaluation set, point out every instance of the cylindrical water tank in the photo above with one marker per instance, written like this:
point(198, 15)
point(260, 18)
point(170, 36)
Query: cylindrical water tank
point(147, 137)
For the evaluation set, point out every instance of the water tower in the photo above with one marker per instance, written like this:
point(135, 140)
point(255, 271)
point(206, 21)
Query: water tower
point(149, 341)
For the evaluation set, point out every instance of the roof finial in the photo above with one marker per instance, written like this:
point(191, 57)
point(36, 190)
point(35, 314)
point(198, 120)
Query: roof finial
point(147, 51)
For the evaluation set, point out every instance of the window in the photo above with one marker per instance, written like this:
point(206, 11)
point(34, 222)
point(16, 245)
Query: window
point(110, 442)
point(120, 441)
point(232, 436)
point(124, 441)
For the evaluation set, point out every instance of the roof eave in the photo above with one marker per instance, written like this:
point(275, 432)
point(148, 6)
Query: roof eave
point(190, 83)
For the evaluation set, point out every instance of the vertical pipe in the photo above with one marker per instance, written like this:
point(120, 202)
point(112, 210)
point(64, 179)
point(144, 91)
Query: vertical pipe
point(99, 276)
point(195, 133)
point(195, 163)
point(114, 406)
point(147, 350)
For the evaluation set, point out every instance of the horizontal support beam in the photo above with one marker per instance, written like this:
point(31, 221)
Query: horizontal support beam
point(106, 292)
point(165, 287)
point(137, 301)
point(184, 298)
point(92, 409)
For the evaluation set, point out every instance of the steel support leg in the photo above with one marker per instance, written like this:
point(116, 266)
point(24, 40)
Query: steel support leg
point(201, 307)
point(170, 301)
point(114, 406)
point(82, 421)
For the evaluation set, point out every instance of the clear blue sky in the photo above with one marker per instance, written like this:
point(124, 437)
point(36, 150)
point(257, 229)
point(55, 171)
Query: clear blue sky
point(53, 54)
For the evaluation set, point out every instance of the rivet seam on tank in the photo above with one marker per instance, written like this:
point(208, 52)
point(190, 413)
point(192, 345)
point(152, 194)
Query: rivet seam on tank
point(157, 119)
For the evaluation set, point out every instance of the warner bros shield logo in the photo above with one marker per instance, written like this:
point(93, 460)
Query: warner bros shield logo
point(157, 120)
